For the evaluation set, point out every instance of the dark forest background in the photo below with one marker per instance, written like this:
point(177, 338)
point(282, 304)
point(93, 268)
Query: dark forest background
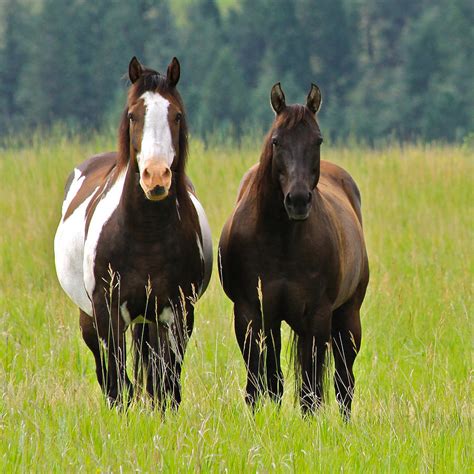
point(387, 69)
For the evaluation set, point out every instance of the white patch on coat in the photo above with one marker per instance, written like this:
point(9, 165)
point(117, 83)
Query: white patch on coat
point(107, 204)
point(156, 138)
point(74, 187)
point(69, 246)
point(205, 249)
point(69, 252)
point(166, 317)
point(125, 313)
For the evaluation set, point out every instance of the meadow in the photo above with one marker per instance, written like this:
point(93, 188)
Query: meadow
point(412, 410)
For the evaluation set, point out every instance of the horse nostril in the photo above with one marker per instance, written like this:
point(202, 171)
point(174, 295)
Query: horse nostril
point(158, 191)
point(288, 198)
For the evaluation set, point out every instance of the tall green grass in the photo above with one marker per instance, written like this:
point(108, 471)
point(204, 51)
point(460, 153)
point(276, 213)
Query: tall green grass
point(412, 410)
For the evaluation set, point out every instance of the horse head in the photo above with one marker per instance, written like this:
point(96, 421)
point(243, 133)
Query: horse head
point(153, 130)
point(295, 140)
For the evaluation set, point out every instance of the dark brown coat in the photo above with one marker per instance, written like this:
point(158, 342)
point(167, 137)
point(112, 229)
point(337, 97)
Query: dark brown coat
point(293, 250)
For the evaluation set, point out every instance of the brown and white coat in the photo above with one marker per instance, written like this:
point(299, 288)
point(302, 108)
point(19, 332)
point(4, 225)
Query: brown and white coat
point(134, 243)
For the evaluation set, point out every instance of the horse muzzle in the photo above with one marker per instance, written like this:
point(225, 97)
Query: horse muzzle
point(155, 180)
point(298, 205)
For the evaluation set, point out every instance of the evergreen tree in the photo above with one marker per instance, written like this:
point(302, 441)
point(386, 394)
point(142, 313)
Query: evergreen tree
point(248, 36)
point(13, 59)
point(201, 41)
point(50, 91)
point(401, 69)
point(162, 40)
point(224, 95)
point(331, 47)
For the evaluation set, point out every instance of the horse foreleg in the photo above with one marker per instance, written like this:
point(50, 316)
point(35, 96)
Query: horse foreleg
point(252, 342)
point(346, 338)
point(311, 352)
point(111, 329)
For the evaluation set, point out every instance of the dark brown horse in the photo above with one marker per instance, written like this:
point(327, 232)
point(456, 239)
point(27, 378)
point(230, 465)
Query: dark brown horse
point(133, 246)
point(296, 233)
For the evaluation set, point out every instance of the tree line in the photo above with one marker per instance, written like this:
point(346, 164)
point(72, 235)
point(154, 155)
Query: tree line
point(399, 70)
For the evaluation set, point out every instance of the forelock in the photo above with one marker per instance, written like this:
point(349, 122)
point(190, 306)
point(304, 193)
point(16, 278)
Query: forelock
point(150, 81)
point(292, 115)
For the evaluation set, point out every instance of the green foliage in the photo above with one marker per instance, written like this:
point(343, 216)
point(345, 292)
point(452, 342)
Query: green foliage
point(13, 55)
point(386, 69)
point(413, 402)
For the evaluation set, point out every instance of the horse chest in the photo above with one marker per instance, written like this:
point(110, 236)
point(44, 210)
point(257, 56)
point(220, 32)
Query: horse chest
point(297, 255)
point(289, 266)
point(157, 262)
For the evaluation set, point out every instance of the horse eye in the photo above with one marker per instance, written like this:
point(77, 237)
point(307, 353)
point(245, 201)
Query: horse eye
point(178, 117)
point(319, 141)
point(275, 141)
point(131, 117)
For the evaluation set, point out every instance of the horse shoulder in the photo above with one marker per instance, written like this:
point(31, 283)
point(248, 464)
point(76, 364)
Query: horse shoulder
point(237, 232)
point(246, 180)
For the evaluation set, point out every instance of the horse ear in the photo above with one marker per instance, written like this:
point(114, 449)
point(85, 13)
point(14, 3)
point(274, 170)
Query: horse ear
point(277, 98)
point(135, 70)
point(173, 72)
point(313, 101)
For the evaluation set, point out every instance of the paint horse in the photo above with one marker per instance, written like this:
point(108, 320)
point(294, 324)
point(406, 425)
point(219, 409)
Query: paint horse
point(293, 250)
point(134, 246)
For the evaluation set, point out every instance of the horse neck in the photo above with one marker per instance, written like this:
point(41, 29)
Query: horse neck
point(270, 199)
point(138, 212)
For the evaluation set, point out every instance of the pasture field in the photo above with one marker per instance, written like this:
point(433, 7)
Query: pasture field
point(412, 409)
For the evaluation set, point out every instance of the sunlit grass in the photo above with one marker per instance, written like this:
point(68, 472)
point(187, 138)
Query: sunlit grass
point(412, 410)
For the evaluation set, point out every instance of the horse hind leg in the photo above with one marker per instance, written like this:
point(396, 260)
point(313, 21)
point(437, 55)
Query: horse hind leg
point(92, 340)
point(346, 339)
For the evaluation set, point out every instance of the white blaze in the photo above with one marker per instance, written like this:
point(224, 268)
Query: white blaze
point(156, 139)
